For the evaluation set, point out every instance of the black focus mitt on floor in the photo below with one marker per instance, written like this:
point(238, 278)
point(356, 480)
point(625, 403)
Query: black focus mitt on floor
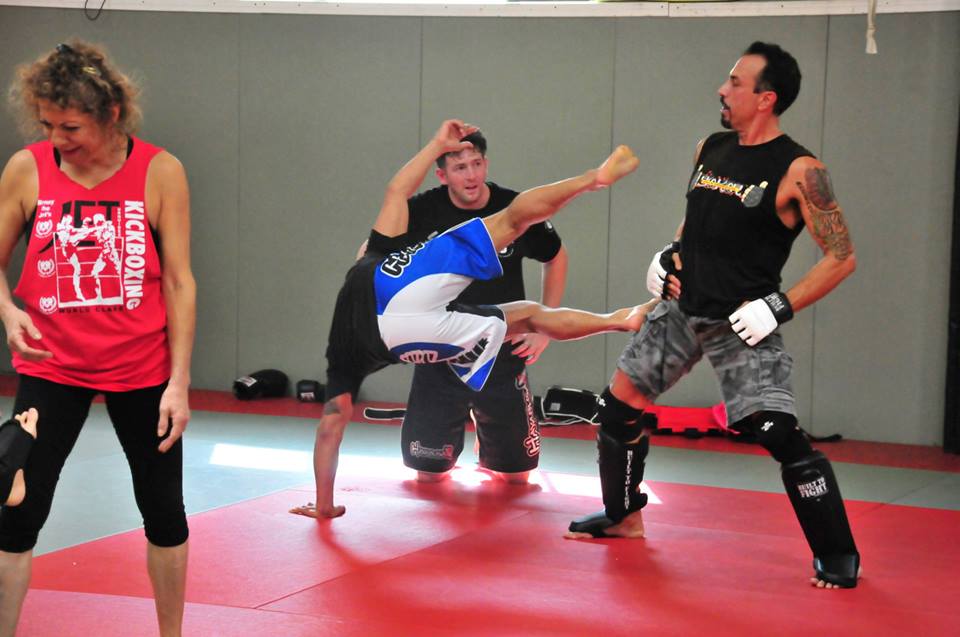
point(267, 383)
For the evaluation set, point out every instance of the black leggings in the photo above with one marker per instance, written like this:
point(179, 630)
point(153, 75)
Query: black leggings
point(157, 477)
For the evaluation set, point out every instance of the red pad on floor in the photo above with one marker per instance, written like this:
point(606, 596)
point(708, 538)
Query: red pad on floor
point(461, 558)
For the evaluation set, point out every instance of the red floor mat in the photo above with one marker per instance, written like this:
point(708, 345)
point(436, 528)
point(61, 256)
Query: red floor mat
point(488, 559)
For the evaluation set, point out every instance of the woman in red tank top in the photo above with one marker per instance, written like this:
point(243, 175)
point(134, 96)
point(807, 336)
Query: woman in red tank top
point(108, 305)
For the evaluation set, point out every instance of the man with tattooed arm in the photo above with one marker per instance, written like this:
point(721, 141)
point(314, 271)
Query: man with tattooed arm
point(752, 192)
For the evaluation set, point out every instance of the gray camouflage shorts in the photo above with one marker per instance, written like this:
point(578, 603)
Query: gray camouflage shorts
point(670, 343)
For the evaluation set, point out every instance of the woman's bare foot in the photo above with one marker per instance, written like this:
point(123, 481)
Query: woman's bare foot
point(430, 476)
point(619, 164)
point(310, 510)
point(520, 477)
point(28, 420)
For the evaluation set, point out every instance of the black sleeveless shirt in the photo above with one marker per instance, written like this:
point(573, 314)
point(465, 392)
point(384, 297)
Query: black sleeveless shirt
point(734, 245)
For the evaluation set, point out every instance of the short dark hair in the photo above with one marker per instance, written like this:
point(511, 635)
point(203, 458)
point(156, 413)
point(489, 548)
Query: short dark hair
point(479, 144)
point(780, 75)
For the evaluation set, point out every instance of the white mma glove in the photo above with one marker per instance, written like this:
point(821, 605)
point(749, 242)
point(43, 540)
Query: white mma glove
point(754, 321)
point(660, 267)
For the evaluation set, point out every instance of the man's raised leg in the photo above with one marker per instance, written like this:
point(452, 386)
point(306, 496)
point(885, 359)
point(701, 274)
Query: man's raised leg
point(566, 324)
point(539, 204)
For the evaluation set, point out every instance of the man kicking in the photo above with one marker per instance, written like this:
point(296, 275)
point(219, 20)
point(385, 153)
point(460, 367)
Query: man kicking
point(396, 303)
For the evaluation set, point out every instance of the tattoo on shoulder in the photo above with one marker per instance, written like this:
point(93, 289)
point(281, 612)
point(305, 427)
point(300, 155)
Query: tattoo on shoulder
point(829, 225)
point(820, 188)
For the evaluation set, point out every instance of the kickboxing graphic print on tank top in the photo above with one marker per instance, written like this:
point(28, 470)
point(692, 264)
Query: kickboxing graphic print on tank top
point(94, 254)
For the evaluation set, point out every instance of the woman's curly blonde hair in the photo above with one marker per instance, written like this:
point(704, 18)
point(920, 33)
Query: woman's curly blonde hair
point(75, 75)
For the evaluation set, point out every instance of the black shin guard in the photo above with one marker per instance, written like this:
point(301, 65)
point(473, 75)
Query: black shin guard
point(621, 458)
point(815, 496)
point(621, 471)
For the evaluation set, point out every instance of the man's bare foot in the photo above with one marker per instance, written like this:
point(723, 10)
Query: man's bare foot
point(430, 476)
point(310, 510)
point(631, 319)
point(630, 527)
point(819, 583)
point(619, 164)
point(28, 420)
point(520, 477)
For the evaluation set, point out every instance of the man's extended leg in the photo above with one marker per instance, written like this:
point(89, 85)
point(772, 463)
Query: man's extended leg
point(326, 452)
point(539, 204)
point(565, 324)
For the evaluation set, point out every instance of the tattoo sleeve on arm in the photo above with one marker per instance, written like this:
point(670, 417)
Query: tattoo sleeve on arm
point(829, 226)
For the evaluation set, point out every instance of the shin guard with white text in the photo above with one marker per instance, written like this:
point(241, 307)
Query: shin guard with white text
point(815, 496)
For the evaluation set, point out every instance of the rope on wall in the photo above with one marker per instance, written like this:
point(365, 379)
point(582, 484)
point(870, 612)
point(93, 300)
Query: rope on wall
point(871, 27)
point(95, 15)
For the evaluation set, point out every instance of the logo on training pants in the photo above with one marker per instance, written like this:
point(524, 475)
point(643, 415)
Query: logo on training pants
point(419, 451)
point(532, 441)
point(813, 489)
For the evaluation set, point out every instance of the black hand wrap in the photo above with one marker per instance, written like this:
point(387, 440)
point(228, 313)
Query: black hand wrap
point(666, 262)
point(779, 304)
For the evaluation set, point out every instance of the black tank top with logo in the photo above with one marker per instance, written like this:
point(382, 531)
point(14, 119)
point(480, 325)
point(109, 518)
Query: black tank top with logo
point(734, 244)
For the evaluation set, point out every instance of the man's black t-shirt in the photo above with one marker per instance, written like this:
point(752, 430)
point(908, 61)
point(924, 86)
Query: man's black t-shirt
point(734, 244)
point(432, 211)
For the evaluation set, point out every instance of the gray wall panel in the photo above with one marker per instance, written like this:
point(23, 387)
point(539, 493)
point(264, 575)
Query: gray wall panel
point(329, 110)
point(891, 130)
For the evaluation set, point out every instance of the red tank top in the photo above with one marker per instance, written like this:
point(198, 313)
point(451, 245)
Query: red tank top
point(91, 279)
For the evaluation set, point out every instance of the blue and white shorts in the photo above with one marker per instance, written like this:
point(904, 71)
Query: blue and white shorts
point(414, 289)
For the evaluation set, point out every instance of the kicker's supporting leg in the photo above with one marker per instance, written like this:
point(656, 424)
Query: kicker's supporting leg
point(815, 496)
point(622, 449)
